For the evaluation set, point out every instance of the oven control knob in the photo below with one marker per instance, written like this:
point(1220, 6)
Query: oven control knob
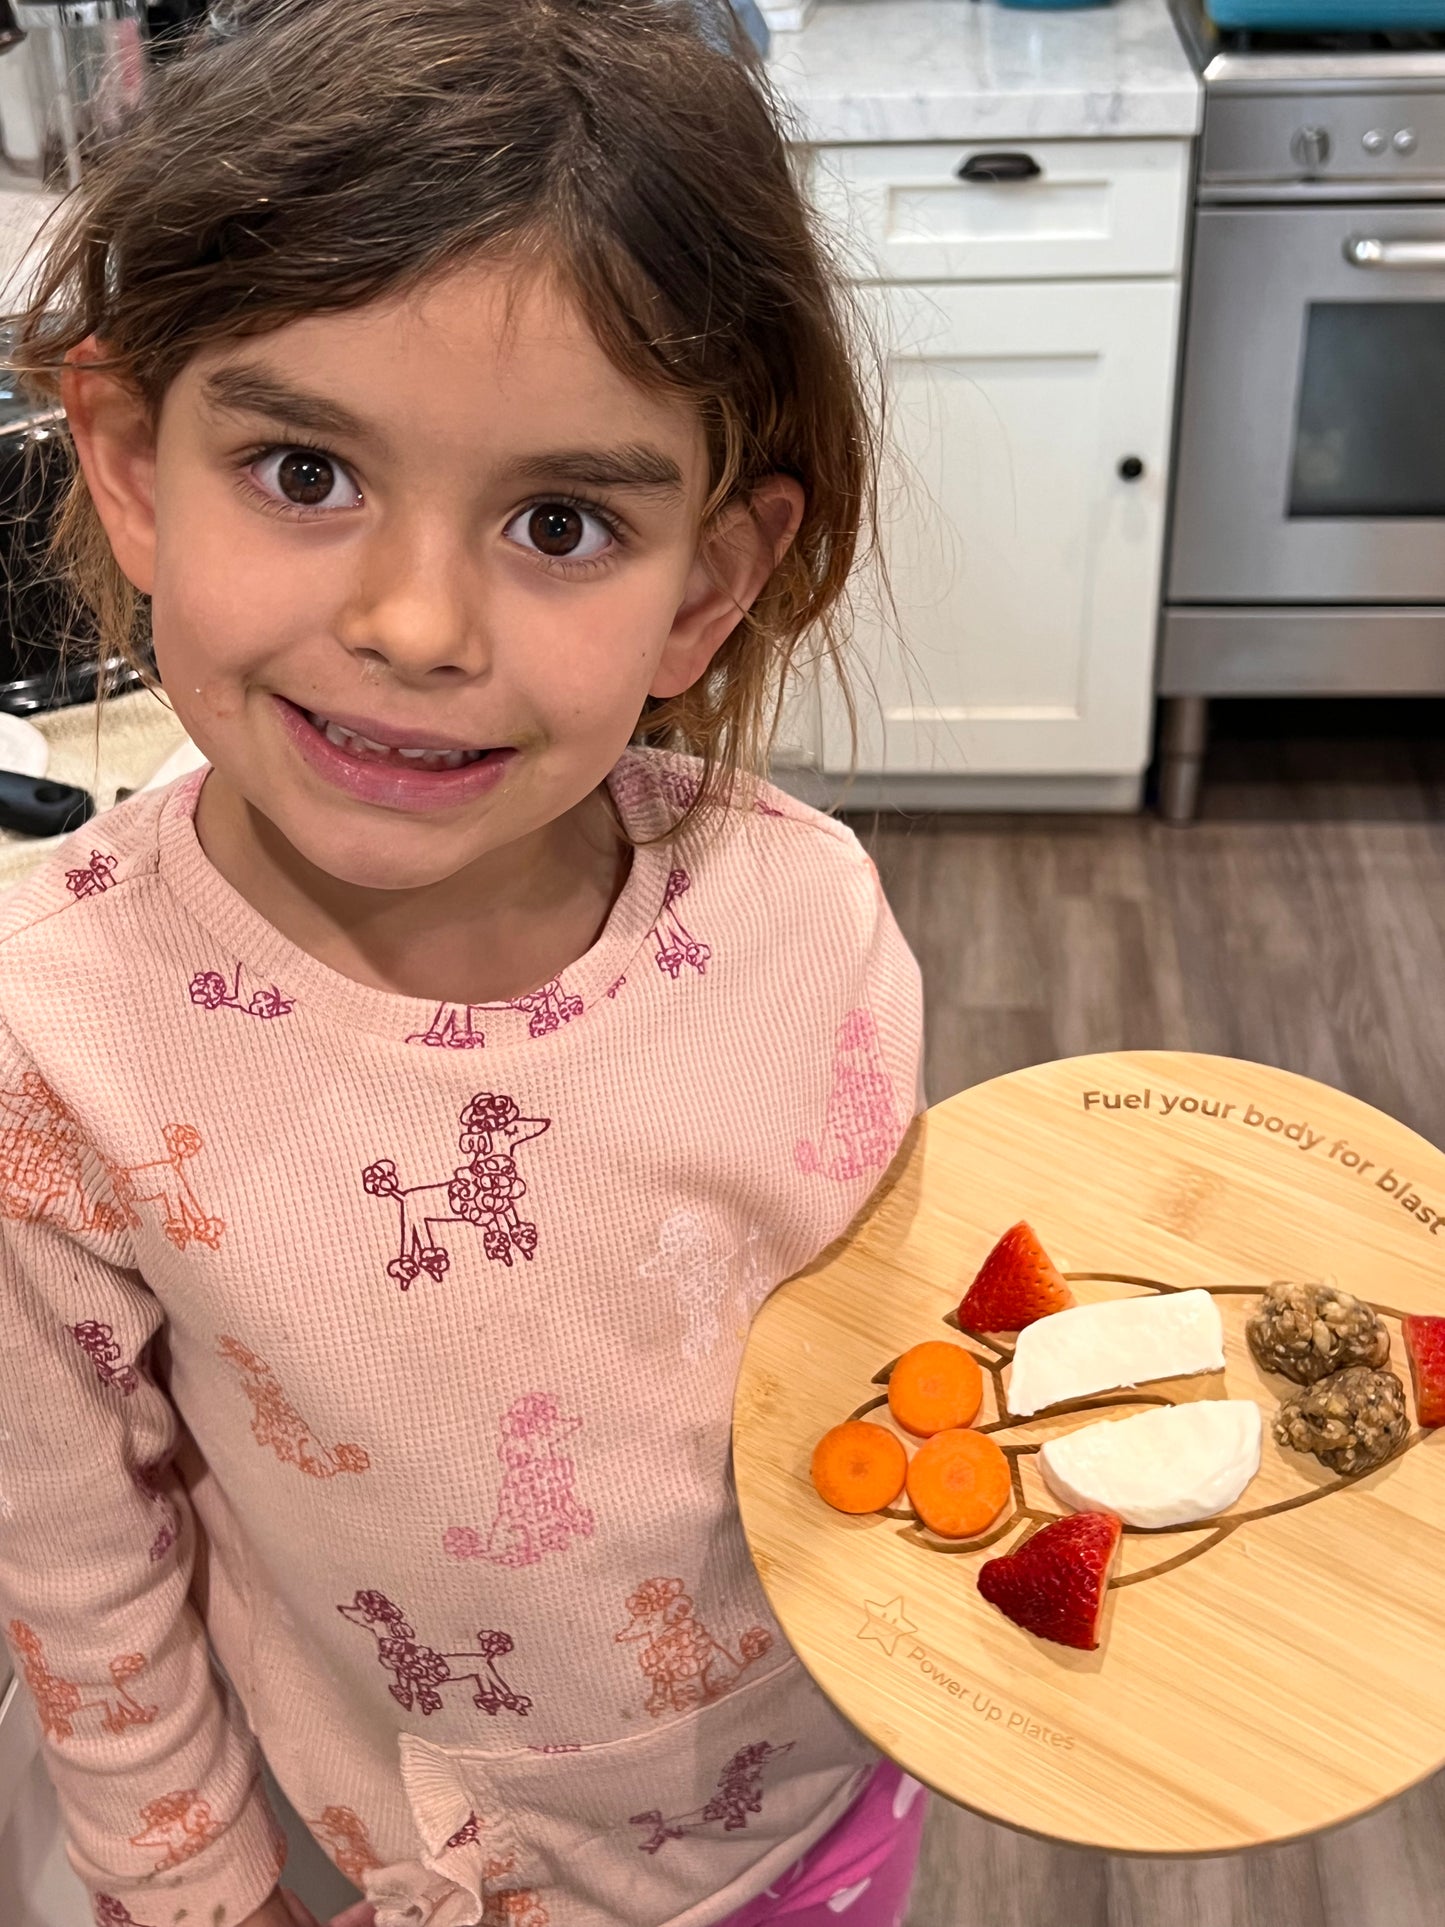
point(1406, 141)
point(1311, 146)
point(1376, 141)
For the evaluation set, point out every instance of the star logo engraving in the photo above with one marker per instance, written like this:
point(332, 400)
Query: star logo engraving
point(887, 1622)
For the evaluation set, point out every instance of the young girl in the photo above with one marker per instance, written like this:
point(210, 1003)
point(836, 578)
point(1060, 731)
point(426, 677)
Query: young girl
point(401, 1120)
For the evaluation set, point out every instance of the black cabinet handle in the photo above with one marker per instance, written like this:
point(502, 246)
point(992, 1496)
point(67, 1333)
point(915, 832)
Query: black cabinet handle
point(1130, 469)
point(34, 806)
point(998, 167)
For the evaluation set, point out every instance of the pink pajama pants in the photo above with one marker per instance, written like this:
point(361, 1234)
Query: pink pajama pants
point(860, 1872)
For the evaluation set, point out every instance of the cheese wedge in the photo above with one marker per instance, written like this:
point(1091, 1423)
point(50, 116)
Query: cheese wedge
point(1165, 1467)
point(1124, 1341)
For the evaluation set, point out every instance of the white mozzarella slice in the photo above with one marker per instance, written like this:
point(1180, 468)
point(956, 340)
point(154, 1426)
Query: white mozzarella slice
point(1124, 1341)
point(1166, 1467)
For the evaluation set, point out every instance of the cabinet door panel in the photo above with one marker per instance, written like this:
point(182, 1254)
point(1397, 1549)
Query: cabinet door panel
point(1024, 567)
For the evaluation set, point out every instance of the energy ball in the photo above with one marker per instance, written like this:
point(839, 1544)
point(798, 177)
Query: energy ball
point(1352, 1421)
point(1307, 1332)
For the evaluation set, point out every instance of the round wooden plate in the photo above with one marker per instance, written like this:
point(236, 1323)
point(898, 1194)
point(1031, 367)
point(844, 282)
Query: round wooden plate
point(1266, 1675)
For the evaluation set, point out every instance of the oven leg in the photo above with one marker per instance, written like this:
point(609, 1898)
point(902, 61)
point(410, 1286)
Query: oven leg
point(1183, 734)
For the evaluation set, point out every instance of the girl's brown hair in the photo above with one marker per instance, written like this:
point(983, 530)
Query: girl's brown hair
point(312, 155)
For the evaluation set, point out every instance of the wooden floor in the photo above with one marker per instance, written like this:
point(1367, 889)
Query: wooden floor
point(1300, 922)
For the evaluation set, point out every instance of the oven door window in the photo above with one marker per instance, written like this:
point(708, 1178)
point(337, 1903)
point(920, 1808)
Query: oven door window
point(1370, 428)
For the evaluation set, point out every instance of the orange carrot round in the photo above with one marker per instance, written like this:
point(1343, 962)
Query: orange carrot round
point(958, 1483)
point(858, 1467)
point(935, 1387)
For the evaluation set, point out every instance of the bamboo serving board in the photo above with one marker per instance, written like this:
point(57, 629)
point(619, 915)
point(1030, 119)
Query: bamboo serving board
point(1265, 1675)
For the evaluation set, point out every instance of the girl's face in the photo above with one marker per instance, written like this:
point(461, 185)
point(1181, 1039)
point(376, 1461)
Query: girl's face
point(415, 567)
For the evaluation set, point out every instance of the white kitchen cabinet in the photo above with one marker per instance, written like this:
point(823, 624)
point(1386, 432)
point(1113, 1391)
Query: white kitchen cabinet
point(1024, 567)
point(1028, 330)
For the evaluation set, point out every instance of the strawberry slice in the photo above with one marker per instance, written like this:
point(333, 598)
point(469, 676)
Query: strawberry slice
point(1425, 1345)
point(1056, 1583)
point(1017, 1283)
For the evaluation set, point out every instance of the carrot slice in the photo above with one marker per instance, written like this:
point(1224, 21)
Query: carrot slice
point(858, 1467)
point(958, 1483)
point(935, 1387)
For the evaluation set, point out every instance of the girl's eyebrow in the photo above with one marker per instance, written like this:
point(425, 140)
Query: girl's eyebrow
point(249, 390)
point(633, 466)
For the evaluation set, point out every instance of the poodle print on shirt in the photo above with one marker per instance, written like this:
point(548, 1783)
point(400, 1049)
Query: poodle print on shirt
point(537, 1507)
point(180, 1824)
point(702, 1278)
point(862, 1128)
point(345, 1838)
point(417, 1671)
point(58, 1701)
point(484, 1192)
point(456, 1026)
point(43, 1175)
point(211, 991)
point(276, 1422)
point(683, 1664)
point(739, 1793)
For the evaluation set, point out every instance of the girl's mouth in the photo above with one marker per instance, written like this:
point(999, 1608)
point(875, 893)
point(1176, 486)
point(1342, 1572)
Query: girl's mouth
point(366, 750)
point(407, 775)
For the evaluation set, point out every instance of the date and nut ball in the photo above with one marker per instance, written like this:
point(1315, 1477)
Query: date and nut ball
point(1351, 1421)
point(1308, 1332)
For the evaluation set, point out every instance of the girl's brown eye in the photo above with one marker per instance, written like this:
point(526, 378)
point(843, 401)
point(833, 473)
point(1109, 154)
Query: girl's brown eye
point(555, 528)
point(304, 478)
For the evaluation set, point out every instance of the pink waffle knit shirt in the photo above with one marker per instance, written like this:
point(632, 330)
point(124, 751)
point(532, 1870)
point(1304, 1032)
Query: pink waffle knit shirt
point(384, 1353)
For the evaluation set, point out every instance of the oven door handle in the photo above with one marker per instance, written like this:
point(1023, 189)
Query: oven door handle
point(1362, 252)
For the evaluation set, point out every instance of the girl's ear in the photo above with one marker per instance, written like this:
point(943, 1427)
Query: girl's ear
point(734, 560)
point(114, 438)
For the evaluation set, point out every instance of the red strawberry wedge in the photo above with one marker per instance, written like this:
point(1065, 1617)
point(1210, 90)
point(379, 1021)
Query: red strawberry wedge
point(1056, 1583)
point(1425, 1343)
point(1017, 1283)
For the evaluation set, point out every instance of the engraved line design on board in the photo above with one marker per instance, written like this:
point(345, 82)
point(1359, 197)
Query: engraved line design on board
point(455, 1026)
point(537, 1508)
point(484, 1192)
point(211, 991)
point(345, 1837)
point(417, 1670)
point(59, 1700)
point(684, 1664)
point(180, 1823)
point(861, 1128)
point(739, 1793)
point(1204, 1534)
point(276, 1422)
point(95, 878)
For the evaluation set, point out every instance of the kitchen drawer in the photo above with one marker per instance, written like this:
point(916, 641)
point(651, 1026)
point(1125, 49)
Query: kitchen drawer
point(1094, 208)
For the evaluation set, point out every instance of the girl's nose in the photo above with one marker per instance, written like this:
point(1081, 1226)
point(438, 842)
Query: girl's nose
point(415, 603)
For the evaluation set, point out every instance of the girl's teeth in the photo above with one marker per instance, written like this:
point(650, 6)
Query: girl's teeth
point(366, 750)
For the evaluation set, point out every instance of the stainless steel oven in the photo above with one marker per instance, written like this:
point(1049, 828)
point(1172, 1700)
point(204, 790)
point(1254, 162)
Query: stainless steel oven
point(1307, 546)
point(1312, 441)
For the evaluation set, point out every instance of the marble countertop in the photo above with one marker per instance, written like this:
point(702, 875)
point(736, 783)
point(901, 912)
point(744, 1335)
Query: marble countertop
point(968, 70)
